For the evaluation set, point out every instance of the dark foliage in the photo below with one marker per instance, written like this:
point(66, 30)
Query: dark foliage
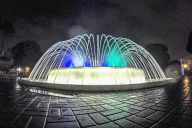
point(26, 53)
point(159, 52)
point(6, 28)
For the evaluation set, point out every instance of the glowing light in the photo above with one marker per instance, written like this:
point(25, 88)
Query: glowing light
point(96, 76)
point(27, 69)
point(186, 81)
point(78, 61)
point(115, 60)
point(185, 66)
point(19, 69)
point(50, 93)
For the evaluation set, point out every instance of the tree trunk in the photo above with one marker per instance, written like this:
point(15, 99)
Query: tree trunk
point(2, 44)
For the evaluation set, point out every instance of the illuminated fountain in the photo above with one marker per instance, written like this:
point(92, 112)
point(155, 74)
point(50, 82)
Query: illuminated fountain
point(96, 60)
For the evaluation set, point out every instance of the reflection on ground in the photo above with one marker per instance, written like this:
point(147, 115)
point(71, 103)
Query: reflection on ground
point(169, 106)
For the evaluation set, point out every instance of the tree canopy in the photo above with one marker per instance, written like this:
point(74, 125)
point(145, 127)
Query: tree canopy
point(26, 53)
point(6, 28)
point(160, 53)
point(5, 63)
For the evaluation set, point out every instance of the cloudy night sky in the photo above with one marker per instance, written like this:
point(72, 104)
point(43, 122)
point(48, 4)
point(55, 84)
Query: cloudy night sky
point(49, 21)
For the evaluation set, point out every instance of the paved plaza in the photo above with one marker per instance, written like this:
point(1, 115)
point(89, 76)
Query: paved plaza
point(162, 107)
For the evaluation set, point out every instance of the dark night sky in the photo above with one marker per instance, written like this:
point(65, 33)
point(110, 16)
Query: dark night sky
point(143, 21)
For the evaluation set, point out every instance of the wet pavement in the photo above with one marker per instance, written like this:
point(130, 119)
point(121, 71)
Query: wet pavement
point(163, 107)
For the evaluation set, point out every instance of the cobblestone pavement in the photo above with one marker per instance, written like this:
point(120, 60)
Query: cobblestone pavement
point(164, 107)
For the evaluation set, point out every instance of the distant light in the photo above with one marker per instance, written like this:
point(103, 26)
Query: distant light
point(185, 66)
point(12, 69)
point(19, 69)
point(186, 80)
point(27, 69)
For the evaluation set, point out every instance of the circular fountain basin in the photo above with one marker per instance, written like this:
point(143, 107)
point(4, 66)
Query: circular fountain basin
point(95, 88)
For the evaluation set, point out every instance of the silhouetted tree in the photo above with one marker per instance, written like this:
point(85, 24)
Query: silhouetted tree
point(6, 28)
point(5, 63)
point(159, 52)
point(8, 53)
point(189, 45)
point(26, 53)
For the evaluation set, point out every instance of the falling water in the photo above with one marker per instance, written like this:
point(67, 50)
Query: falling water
point(92, 51)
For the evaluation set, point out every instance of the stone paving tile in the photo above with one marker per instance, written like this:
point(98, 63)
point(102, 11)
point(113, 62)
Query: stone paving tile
point(73, 105)
point(36, 109)
point(121, 105)
point(36, 122)
point(34, 113)
point(62, 125)
point(141, 121)
point(54, 112)
point(156, 116)
point(130, 110)
point(22, 122)
point(146, 113)
point(118, 104)
point(80, 112)
point(160, 108)
point(16, 110)
point(180, 109)
point(99, 108)
point(165, 107)
point(148, 105)
point(85, 120)
point(66, 112)
point(172, 118)
point(62, 100)
point(118, 115)
point(96, 104)
point(107, 125)
point(108, 106)
point(160, 125)
point(46, 98)
point(127, 124)
point(98, 118)
point(81, 108)
point(61, 119)
point(43, 105)
point(110, 112)
point(59, 105)
point(188, 110)
point(137, 107)
point(82, 104)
